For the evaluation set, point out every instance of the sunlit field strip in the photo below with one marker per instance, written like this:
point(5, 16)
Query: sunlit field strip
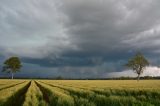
point(81, 93)
point(107, 90)
point(79, 96)
point(111, 84)
point(5, 81)
point(34, 96)
point(5, 86)
point(121, 94)
point(137, 93)
point(100, 90)
point(56, 96)
point(8, 95)
point(83, 97)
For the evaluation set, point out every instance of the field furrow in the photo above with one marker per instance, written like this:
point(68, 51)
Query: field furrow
point(79, 93)
point(5, 86)
point(34, 96)
point(81, 97)
point(14, 96)
point(117, 92)
point(6, 81)
point(56, 96)
point(113, 96)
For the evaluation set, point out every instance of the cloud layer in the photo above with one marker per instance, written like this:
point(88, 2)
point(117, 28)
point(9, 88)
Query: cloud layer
point(92, 37)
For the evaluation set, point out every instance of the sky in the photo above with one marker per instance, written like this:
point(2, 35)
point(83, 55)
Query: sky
point(79, 38)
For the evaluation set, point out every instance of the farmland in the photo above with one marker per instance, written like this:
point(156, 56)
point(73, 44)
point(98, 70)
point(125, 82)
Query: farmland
point(79, 93)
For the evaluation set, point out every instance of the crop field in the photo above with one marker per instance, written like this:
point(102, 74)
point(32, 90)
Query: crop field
point(79, 93)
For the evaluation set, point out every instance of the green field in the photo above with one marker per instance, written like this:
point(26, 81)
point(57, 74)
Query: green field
point(79, 93)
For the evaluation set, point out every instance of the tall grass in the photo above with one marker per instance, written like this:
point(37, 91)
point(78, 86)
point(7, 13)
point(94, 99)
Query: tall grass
point(11, 84)
point(34, 96)
point(110, 84)
point(111, 97)
point(57, 97)
point(6, 81)
point(13, 95)
point(81, 93)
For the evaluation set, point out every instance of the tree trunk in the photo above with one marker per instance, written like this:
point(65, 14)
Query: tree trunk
point(138, 77)
point(12, 75)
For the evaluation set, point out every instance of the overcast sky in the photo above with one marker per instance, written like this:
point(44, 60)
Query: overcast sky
point(79, 38)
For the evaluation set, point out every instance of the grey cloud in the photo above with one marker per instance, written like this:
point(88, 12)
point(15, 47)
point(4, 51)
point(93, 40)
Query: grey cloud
point(83, 36)
point(106, 25)
point(30, 26)
point(89, 26)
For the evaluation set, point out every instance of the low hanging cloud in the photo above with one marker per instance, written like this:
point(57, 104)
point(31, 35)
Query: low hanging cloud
point(153, 71)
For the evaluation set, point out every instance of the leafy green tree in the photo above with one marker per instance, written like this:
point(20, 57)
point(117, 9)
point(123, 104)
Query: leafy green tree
point(138, 64)
point(12, 65)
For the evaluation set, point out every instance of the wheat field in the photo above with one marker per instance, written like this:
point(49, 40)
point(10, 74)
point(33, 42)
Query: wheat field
point(79, 93)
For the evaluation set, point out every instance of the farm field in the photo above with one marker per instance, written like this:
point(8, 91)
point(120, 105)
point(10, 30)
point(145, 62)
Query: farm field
point(79, 93)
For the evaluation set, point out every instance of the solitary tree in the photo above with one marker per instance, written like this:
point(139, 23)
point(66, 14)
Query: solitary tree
point(138, 64)
point(12, 65)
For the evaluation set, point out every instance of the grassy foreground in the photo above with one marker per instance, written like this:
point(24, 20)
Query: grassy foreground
point(79, 92)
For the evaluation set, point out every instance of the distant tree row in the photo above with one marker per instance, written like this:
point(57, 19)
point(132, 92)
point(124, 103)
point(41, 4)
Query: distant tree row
point(136, 63)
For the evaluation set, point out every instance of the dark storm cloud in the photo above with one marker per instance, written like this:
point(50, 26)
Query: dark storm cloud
point(111, 25)
point(87, 37)
point(64, 61)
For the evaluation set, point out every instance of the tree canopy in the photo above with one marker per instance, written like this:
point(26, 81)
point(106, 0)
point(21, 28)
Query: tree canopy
point(12, 65)
point(138, 64)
